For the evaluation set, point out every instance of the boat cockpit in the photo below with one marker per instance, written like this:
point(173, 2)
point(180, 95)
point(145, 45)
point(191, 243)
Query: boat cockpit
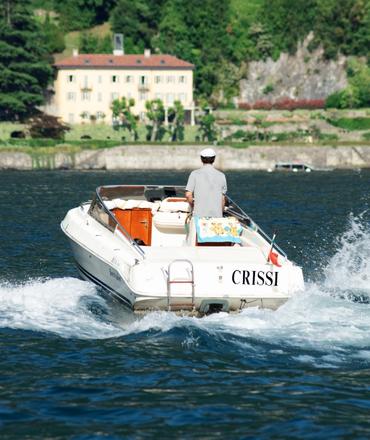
point(160, 216)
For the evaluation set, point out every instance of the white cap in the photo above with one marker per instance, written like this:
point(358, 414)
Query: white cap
point(208, 152)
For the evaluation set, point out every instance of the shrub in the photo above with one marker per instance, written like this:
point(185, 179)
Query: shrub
point(268, 89)
point(284, 104)
point(351, 123)
point(18, 134)
point(47, 126)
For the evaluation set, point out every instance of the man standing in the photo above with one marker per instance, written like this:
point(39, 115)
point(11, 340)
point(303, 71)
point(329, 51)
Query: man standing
point(206, 187)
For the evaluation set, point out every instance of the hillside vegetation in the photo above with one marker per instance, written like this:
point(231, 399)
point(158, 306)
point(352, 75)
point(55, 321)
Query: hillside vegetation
point(233, 33)
point(219, 38)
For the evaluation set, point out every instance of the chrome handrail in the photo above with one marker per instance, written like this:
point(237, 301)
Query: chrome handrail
point(243, 216)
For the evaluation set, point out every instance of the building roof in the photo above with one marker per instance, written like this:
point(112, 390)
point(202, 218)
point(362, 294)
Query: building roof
point(124, 61)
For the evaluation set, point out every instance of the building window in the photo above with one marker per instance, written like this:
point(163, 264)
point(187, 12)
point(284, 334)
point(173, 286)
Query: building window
point(100, 97)
point(85, 96)
point(158, 79)
point(71, 96)
point(182, 79)
point(100, 79)
point(170, 98)
point(71, 78)
point(143, 80)
point(100, 115)
point(113, 96)
point(170, 79)
point(143, 96)
point(71, 118)
point(158, 96)
point(129, 79)
point(182, 97)
point(86, 80)
point(115, 78)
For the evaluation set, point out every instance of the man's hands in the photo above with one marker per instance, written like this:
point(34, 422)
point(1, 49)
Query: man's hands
point(189, 198)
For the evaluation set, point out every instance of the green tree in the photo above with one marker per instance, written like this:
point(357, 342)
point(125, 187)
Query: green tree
point(357, 93)
point(155, 114)
point(287, 22)
point(53, 35)
point(176, 119)
point(196, 31)
point(207, 127)
point(123, 118)
point(24, 60)
point(138, 21)
point(82, 14)
point(90, 43)
point(343, 26)
point(338, 25)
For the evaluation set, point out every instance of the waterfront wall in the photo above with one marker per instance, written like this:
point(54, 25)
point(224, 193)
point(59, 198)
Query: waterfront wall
point(131, 157)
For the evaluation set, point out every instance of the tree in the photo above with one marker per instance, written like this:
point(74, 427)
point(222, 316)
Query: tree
point(207, 127)
point(53, 35)
point(196, 31)
point(47, 126)
point(90, 43)
point(138, 21)
point(343, 26)
point(176, 118)
point(155, 113)
point(123, 118)
point(287, 22)
point(24, 60)
point(82, 14)
point(357, 93)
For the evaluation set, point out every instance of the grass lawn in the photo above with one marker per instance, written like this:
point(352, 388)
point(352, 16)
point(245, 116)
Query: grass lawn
point(102, 136)
point(7, 127)
point(104, 132)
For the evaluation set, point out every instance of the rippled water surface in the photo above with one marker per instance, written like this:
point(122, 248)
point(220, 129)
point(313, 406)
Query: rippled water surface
point(72, 366)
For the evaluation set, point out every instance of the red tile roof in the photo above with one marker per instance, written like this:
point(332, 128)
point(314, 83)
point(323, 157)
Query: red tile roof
point(127, 61)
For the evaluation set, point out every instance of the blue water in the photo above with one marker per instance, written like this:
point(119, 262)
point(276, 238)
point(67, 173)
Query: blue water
point(73, 367)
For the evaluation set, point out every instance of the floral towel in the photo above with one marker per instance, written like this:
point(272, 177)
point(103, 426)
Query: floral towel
point(211, 229)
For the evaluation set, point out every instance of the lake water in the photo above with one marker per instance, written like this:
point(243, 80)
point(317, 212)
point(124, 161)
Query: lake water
point(69, 368)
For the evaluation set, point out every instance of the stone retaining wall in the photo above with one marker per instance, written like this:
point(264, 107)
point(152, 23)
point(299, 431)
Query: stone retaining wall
point(131, 157)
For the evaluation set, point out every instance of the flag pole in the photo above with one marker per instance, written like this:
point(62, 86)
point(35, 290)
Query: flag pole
point(272, 246)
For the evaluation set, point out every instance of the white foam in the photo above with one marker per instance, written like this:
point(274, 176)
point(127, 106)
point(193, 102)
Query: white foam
point(349, 268)
point(320, 320)
point(53, 305)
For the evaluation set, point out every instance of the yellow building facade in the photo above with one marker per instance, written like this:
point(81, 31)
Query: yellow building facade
point(86, 85)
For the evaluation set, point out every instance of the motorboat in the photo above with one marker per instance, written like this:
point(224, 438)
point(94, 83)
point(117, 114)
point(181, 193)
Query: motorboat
point(294, 167)
point(142, 245)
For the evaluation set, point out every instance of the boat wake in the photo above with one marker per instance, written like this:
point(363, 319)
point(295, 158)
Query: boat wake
point(326, 325)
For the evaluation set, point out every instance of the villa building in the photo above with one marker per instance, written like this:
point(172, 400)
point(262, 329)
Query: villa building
point(86, 85)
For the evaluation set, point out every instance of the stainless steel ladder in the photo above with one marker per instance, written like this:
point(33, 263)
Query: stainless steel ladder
point(170, 281)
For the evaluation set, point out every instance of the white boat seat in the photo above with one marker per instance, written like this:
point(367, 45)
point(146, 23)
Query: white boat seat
point(170, 221)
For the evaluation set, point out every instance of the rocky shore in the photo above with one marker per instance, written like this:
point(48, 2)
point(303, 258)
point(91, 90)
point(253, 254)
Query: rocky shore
point(131, 157)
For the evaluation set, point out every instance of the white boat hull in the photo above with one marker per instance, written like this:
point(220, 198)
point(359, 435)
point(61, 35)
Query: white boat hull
point(225, 279)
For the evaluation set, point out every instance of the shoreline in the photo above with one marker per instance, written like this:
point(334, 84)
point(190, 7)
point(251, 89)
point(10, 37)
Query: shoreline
point(185, 157)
